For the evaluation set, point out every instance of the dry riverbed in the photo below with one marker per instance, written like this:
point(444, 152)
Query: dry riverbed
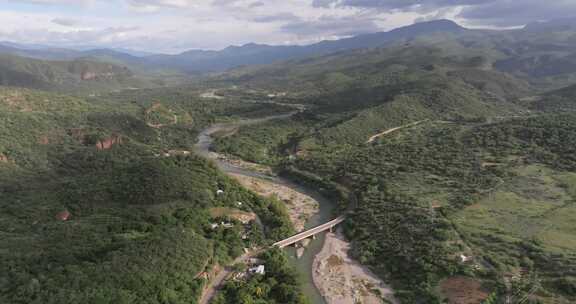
point(342, 280)
point(238, 163)
point(339, 279)
point(300, 206)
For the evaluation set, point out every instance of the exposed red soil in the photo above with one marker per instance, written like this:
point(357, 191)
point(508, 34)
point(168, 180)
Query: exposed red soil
point(154, 107)
point(44, 140)
point(63, 216)
point(463, 290)
point(3, 158)
point(16, 101)
point(107, 144)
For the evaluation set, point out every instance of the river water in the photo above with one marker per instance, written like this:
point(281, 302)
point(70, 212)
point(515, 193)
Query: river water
point(325, 213)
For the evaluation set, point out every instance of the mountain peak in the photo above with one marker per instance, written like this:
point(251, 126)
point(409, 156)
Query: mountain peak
point(247, 46)
point(436, 25)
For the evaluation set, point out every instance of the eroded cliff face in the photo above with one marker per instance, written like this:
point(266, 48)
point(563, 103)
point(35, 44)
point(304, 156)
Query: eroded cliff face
point(85, 137)
point(67, 75)
point(108, 143)
point(89, 75)
point(4, 158)
point(97, 71)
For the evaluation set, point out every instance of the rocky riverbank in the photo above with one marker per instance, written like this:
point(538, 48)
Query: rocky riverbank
point(239, 163)
point(341, 280)
point(300, 206)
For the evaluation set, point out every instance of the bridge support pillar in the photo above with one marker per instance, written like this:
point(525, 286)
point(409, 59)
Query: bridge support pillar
point(313, 236)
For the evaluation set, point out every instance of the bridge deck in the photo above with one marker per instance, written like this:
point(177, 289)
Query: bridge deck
point(308, 233)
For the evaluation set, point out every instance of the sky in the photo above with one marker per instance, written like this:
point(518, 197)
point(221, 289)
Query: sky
point(172, 26)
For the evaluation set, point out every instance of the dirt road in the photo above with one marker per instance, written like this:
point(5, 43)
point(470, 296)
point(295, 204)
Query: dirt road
point(374, 137)
point(217, 282)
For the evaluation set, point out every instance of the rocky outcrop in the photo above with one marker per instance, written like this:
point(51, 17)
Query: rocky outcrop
point(108, 143)
point(44, 140)
point(155, 106)
point(87, 75)
point(3, 158)
point(98, 71)
point(88, 138)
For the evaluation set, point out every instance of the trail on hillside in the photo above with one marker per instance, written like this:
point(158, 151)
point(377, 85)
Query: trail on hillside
point(159, 126)
point(376, 136)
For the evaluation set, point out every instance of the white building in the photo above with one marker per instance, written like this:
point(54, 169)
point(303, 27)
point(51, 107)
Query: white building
point(464, 258)
point(258, 270)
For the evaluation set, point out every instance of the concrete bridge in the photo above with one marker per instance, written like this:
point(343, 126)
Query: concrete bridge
point(309, 233)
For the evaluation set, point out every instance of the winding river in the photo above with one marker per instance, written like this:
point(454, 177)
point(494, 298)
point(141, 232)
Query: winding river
point(304, 263)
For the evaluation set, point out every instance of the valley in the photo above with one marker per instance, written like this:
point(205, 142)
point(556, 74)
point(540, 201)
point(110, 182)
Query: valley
point(434, 164)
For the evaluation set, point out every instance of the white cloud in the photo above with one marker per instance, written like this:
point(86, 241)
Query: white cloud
point(177, 25)
point(66, 21)
point(158, 5)
point(51, 2)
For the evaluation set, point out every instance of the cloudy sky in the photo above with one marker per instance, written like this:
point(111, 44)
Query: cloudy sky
point(176, 25)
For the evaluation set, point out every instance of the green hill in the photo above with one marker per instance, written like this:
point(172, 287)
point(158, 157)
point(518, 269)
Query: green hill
point(556, 101)
point(452, 154)
point(93, 211)
point(545, 58)
point(500, 193)
point(82, 75)
point(356, 95)
point(442, 156)
point(393, 68)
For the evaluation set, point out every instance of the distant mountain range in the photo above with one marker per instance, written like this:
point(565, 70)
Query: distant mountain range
point(543, 53)
point(74, 51)
point(196, 61)
point(251, 54)
point(529, 52)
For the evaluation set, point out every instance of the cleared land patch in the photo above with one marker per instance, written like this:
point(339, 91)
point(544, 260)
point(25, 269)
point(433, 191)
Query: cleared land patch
point(463, 290)
point(536, 204)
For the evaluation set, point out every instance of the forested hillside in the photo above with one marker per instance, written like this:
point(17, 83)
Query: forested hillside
point(455, 173)
point(78, 74)
point(102, 201)
point(450, 151)
point(542, 55)
point(85, 75)
point(354, 99)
